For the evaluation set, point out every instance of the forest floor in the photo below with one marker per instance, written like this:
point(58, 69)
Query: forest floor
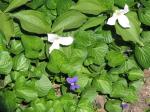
point(143, 104)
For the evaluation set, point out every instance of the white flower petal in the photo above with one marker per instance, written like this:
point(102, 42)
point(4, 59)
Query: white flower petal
point(66, 40)
point(112, 20)
point(126, 9)
point(55, 45)
point(123, 21)
point(52, 37)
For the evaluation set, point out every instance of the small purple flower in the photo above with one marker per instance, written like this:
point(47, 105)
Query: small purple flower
point(124, 105)
point(72, 81)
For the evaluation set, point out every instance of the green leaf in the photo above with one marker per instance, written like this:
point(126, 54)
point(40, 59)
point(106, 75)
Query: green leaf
point(34, 4)
point(21, 63)
point(98, 53)
point(104, 36)
point(82, 81)
point(5, 62)
point(115, 58)
point(136, 85)
point(39, 105)
point(113, 106)
point(145, 36)
point(8, 101)
point(131, 96)
point(90, 94)
point(135, 74)
point(144, 16)
point(32, 50)
point(26, 93)
point(8, 27)
point(54, 63)
point(132, 33)
point(43, 86)
point(63, 6)
point(15, 3)
point(146, 3)
point(93, 21)
point(33, 21)
point(84, 39)
point(75, 59)
point(142, 55)
point(51, 4)
point(69, 20)
point(119, 90)
point(125, 67)
point(2, 42)
point(16, 46)
point(102, 84)
point(122, 3)
point(93, 6)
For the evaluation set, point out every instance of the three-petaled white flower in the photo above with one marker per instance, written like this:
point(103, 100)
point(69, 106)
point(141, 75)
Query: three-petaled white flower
point(57, 40)
point(120, 16)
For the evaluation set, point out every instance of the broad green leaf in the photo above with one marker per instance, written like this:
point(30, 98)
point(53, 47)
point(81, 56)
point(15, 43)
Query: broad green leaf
point(93, 21)
point(33, 21)
point(16, 46)
point(146, 3)
point(135, 74)
point(113, 106)
point(15, 3)
point(43, 86)
point(26, 93)
point(40, 69)
point(3, 5)
point(5, 62)
point(8, 101)
point(115, 58)
point(122, 3)
point(2, 42)
point(132, 33)
point(7, 80)
point(144, 16)
point(75, 59)
point(125, 67)
point(63, 6)
point(84, 39)
point(34, 4)
point(98, 53)
point(14, 75)
point(39, 105)
point(136, 85)
point(69, 20)
point(84, 106)
point(21, 63)
point(142, 55)
point(7, 27)
point(145, 36)
point(90, 94)
point(19, 78)
point(104, 36)
point(102, 84)
point(82, 81)
point(57, 58)
point(131, 96)
point(32, 50)
point(93, 6)
point(51, 4)
point(118, 90)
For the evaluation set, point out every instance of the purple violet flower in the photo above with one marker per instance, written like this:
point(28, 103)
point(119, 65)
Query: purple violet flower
point(72, 81)
point(124, 105)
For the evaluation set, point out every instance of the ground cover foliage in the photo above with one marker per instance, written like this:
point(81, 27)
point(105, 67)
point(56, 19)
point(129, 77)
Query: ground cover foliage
point(103, 59)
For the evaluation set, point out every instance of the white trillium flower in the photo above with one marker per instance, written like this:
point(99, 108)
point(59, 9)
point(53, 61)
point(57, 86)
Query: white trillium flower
point(120, 16)
point(57, 41)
